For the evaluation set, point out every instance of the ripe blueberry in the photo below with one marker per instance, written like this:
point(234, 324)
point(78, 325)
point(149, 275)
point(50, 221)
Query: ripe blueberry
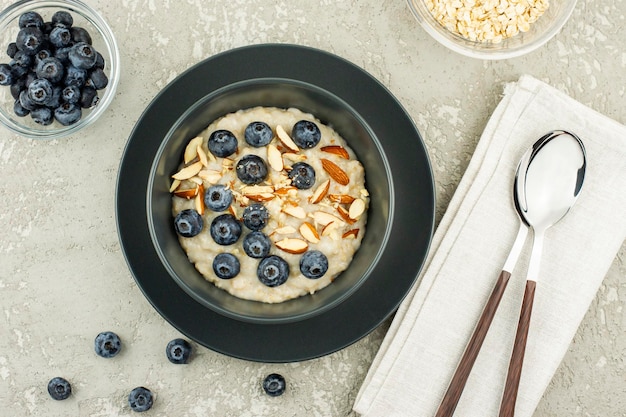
point(273, 271)
point(222, 143)
point(306, 134)
point(218, 197)
point(140, 399)
point(225, 229)
point(251, 169)
point(226, 266)
point(258, 134)
point(302, 175)
point(313, 264)
point(188, 223)
point(178, 351)
point(107, 344)
point(274, 385)
point(257, 245)
point(59, 388)
point(255, 216)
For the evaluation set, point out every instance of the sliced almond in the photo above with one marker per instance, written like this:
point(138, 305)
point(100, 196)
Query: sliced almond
point(345, 215)
point(285, 230)
point(199, 201)
point(284, 191)
point(275, 158)
point(350, 234)
point(260, 197)
point(188, 171)
point(356, 208)
point(285, 139)
point(191, 151)
point(257, 189)
point(295, 211)
point(175, 185)
point(336, 150)
point(308, 231)
point(323, 218)
point(326, 230)
point(210, 175)
point(320, 192)
point(196, 180)
point(187, 193)
point(292, 245)
point(335, 172)
point(202, 156)
point(341, 198)
point(294, 157)
point(232, 210)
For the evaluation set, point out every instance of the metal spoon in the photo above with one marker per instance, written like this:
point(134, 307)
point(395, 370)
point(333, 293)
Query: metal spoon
point(457, 384)
point(544, 194)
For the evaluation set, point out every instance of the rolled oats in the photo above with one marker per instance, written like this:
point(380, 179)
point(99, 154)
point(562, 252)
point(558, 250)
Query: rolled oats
point(487, 20)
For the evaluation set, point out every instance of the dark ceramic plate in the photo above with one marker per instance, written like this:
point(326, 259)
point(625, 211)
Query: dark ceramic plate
point(375, 299)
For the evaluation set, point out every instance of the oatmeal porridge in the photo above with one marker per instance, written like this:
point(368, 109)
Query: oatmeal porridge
point(269, 204)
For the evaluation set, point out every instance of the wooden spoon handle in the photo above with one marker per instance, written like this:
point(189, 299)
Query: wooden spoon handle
point(457, 384)
point(507, 407)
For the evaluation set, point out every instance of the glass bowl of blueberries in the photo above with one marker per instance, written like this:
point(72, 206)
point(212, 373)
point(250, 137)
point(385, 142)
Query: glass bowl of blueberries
point(60, 68)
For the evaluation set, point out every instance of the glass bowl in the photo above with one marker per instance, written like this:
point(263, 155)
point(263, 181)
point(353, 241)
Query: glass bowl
point(103, 41)
point(539, 32)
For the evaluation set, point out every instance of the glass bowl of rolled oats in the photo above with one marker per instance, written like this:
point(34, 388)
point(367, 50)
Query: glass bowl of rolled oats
point(492, 29)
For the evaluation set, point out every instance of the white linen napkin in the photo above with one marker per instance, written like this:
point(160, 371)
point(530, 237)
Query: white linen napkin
point(428, 335)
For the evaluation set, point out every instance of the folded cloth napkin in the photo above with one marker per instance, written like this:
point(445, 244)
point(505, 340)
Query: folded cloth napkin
point(428, 335)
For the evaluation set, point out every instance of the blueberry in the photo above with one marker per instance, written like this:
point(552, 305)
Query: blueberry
point(19, 110)
point(30, 39)
point(302, 175)
point(258, 134)
point(16, 87)
point(23, 59)
point(273, 271)
point(107, 344)
point(222, 143)
point(225, 229)
point(80, 35)
point(26, 102)
point(257, 245)
point(63, 55)
point(62, 19)
point(226, 266)
point(75, 76)
point(51, 69)
point(42, 116)
point(6, 75)
point(218, 197)
point(99, 61)
point(30, 19)
point(97, 79)
point(18, 70)
point(71, 94)
point(67, 114)
point(251, 169)
point(43, 54)
point(82, 55)
point(178, 351)
point(40, 91)
point(255, 216)
point(188, 223)
point(88, 97)
point(60, 37)
point(313, 264)
point(55, 100)
point(140, 399)
point(274, 385)
point(59, 388)
point(306, 134)
point(11, 49)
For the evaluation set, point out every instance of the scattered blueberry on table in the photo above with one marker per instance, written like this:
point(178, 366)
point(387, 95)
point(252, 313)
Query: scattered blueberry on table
point(178, 351)
point(54, 71)
point(107, 344)
point(274, 385)
point(140, 399)
point(59, 388)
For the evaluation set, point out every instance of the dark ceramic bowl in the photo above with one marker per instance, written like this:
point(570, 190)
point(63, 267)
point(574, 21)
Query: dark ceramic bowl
point(398, 177)
point(281, 93)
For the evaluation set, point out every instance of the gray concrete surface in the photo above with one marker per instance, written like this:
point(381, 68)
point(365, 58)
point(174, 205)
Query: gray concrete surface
point(63, 277)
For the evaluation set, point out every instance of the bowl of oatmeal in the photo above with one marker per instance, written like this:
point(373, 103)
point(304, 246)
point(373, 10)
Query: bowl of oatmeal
point(224, 231)
point(492, 29)
point(354, 235)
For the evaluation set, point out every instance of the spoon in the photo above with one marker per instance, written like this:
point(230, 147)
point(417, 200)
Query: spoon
point(544, 194)
point(457, 384)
